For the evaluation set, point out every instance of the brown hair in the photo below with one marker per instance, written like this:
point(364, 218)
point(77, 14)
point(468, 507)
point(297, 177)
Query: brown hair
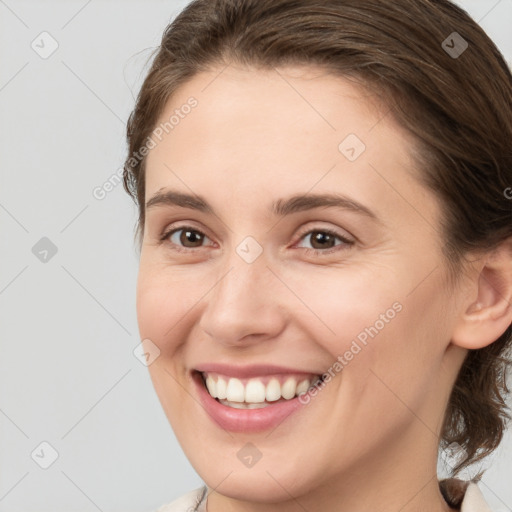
point(458, 108)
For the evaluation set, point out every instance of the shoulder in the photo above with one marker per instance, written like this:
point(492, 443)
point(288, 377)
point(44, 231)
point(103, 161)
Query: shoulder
point(185, 503)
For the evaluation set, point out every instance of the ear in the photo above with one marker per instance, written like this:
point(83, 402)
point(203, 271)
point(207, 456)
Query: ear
point(487, 312)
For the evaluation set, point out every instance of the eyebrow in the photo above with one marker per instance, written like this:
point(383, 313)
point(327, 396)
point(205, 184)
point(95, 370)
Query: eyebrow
point(280, 207)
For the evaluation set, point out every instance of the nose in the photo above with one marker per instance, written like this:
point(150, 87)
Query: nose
point(244, 305)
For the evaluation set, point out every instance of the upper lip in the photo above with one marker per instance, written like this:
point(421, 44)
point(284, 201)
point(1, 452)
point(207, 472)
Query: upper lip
point(253, 370)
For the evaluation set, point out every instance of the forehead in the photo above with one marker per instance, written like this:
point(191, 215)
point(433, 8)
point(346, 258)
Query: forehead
point(253, 130)
point(244, 138)
point(301, 113)
point(240, 97)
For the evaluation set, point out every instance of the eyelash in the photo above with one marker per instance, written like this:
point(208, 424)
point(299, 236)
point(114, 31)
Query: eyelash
point(346, 242)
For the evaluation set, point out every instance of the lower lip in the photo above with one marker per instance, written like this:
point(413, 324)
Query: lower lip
point(244, 420)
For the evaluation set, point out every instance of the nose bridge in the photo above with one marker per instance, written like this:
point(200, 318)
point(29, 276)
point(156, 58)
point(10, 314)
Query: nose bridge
point(245, 273)
point(244, 299)
point(240, 285)
point(243, 284)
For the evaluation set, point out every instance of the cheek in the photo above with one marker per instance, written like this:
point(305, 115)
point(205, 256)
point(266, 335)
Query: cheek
point(397, 374)
point(160, 306)
point(164, 305)
point(344, 308)
point(385, 343)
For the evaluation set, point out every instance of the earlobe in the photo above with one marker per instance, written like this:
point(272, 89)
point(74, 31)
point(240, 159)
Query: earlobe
point(487, 314)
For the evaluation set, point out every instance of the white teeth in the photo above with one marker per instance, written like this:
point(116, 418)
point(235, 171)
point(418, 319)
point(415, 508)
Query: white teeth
point(273, 391)
point(211, 386)
point(233, 392)
point(288, 389)
point(221, 389)
point(244, 405)
point(254, 391)
point(302, 387)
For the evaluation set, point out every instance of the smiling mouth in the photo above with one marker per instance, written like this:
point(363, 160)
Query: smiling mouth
point(256, 392)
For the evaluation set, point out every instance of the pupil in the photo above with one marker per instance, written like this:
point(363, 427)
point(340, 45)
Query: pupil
point(322, 238)
point(190, 236)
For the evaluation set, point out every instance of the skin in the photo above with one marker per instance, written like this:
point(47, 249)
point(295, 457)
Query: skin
point(368, 440)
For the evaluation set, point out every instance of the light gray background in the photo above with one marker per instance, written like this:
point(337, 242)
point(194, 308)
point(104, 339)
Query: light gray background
point(68, 375)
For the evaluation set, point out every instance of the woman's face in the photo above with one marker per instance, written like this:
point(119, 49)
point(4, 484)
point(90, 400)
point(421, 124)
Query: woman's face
point(307, 246)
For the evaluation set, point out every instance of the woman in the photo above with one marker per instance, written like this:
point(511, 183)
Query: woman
point(326, 245)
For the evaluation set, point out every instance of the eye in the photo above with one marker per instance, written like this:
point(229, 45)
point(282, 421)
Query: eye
point(184, 238)
point(324, 241)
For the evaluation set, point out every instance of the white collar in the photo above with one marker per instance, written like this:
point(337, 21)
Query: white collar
point(474, 500)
